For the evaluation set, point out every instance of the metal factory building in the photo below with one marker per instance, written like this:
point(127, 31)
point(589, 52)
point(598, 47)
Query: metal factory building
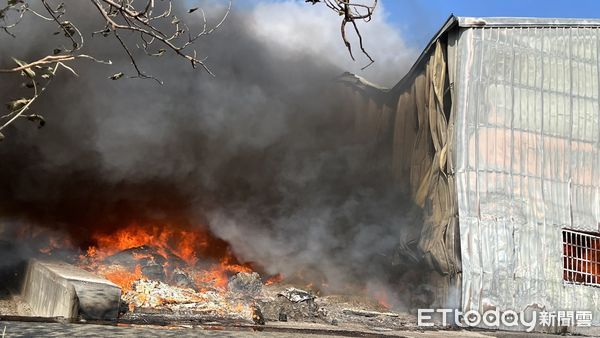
point(494, 132)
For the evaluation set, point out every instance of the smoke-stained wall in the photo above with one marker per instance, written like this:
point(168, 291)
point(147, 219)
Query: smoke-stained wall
point(412, 124)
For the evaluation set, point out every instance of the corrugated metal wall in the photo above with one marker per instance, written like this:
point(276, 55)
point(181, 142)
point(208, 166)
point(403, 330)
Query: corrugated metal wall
point(527, 162)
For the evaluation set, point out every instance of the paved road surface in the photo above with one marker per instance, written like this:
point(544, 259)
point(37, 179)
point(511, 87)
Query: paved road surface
point(28, 329)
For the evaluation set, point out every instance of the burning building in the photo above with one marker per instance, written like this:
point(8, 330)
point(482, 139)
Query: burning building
point(495, 133)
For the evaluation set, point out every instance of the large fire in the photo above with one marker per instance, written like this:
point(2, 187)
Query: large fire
point(186, 272)
point(187, 256)
point(167, 239)
point(123, 255)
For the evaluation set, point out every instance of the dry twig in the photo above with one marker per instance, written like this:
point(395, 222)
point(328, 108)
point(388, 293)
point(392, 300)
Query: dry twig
point(351, 12)
point(158, 29)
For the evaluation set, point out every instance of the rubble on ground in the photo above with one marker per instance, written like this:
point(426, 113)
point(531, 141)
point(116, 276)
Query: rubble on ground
point(245, 283)
point(248, 301)
point(296, 295)
point(157, 296)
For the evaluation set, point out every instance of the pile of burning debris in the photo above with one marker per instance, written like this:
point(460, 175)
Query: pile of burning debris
point(246, 300)
point(160, 301)
point(170, 275)
point(161, 288)
point(168, 272)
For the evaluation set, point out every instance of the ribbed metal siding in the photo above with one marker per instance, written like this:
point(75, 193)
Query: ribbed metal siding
point(527, 162)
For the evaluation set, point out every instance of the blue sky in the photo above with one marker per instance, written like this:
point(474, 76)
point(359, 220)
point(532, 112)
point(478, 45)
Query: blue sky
point(399, 33)
point(418, 20)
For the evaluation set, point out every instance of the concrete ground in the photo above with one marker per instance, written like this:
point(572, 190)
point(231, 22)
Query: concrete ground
point(32, 329)
point(14, 309)
point(9, 306)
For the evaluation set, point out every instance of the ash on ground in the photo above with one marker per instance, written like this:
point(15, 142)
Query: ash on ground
point(248, 301)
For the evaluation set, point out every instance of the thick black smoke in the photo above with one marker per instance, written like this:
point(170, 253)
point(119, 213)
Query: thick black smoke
point(264, 154)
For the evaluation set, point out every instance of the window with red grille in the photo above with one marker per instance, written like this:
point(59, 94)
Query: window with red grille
point(581, 257)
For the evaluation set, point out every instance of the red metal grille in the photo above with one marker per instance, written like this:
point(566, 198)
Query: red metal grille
point(581, 257)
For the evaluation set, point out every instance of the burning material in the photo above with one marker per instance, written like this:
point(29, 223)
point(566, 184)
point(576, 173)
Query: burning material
point(121, 276)
point(160, 296)
point(174, 270)
point(163, 269)
point(167, 254)
point(247, 284)
point(168, 240)
point(274, 279)
point(172, 274)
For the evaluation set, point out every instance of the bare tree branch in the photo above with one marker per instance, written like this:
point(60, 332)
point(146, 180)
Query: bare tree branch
point(351, 11)
point(158, 29)
point(144, 23)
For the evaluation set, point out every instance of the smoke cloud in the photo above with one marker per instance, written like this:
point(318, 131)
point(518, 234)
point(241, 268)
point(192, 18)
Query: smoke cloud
point(264, 154)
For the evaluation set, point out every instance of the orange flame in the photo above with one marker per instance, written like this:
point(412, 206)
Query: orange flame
point(168, 240)
point(121, 276)
point(218, 275)
point(382, 295)
point(274, 279)
point(183, 243)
